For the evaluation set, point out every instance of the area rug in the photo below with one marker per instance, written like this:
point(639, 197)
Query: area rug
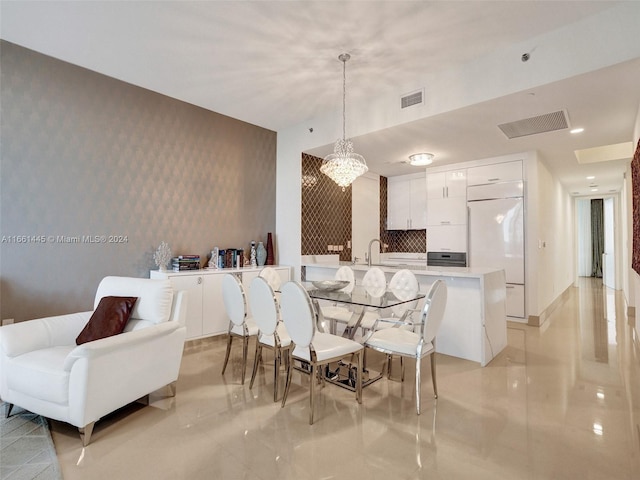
point(26, 448)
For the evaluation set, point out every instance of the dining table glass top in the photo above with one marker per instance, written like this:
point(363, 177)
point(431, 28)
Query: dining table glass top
point(375, 297)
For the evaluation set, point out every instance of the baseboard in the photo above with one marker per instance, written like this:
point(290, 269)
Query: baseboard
point(538, 320)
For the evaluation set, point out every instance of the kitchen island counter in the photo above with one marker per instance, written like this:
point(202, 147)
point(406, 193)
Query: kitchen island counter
point(475, 321)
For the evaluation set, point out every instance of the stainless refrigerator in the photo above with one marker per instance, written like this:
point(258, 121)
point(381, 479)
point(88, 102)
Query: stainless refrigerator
point(496, 236)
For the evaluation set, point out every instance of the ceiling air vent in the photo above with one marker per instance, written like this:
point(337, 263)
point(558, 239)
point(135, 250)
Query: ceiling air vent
point(410, 99)
point(531, 126)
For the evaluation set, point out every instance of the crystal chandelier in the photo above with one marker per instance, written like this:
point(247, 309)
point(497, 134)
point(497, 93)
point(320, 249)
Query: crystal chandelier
point(343, 166)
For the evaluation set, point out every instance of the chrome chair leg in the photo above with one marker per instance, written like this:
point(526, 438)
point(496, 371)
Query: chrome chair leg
point(433, 374)
point(226, 357)
point(312, 390)
point(288, 380)
point(359, 379)
point(277, 353)
point(418, 384)
point(245, 348)
point(256, 363)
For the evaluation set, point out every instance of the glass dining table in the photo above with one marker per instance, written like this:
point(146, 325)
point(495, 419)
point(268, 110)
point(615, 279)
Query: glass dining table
point(359, 299)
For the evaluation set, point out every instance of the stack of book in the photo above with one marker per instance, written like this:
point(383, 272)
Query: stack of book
point(231, 258)
point(185, 262)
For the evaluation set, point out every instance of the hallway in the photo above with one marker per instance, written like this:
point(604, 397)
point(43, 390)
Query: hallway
point(561, 402)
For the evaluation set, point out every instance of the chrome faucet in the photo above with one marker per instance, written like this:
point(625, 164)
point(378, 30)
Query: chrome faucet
point(371, 243)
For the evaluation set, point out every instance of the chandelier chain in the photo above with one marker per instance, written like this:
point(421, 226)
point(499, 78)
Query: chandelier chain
point(344, 96)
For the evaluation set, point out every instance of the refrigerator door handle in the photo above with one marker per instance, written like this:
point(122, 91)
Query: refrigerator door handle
point(468, 236)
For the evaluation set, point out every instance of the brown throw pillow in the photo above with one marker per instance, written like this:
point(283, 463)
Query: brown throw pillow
point(109, 319)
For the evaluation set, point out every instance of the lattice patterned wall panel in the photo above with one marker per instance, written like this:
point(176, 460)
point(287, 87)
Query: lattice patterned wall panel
point(326, 211)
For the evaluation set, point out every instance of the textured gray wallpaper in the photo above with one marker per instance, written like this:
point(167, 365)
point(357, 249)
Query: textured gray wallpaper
point(95, 173)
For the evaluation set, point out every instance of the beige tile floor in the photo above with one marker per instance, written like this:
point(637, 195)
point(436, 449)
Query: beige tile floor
point(560, 402)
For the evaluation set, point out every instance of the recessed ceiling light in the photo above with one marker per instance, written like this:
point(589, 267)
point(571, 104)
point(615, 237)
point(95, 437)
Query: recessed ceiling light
point(421, 159)
point(590, 177)
point(594, 189)
point(577, 130)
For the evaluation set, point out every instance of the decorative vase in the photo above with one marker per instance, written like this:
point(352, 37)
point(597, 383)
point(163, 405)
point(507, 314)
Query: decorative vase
point(270, 255)
point(261, 254)
point(254, 261)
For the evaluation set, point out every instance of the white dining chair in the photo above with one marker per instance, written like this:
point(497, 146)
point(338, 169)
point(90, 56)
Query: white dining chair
point(272, 334)
point(334, 312)
point(240, 325)
point(314, 348)
point(404, 285)
point(375, 283)
point(416, 345)
point(272, 276)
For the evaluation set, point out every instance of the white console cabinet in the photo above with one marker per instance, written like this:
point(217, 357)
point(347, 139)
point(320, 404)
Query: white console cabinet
point(406, 202)
point(206, 315)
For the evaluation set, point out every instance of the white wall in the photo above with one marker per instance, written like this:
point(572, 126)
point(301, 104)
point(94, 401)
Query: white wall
point(550, 237)
point(365, 216)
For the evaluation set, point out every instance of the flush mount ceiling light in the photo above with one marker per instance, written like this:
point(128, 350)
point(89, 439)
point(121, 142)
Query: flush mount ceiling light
point(421, 159)
point(343, 166)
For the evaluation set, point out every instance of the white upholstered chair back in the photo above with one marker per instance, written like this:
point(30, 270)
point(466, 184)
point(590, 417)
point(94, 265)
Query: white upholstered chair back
point(375, 282)
point(154, 296)
point(264, 306)
point(404, 285)
point(234, 298)
point(433, 311)
point(272, 276)
point(346, 273)
point(298, 314)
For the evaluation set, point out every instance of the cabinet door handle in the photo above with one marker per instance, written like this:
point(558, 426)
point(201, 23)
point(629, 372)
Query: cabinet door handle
point(445, 249)
point(493, 179)
point(445, 222)
point(446, 189)
point(199, 280)
point(510, 287)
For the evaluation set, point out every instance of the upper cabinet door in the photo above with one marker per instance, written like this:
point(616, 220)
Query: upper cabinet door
point(418, 204)
point(495, 173)
point(398, 203)
point(456, 183)
point(436, 185)
point(406, 202)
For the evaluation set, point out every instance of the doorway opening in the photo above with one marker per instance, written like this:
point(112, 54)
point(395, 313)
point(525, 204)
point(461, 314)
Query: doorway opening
point(596, 239)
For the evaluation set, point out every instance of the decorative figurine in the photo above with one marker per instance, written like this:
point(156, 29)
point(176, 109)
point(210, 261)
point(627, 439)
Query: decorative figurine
point(162, 257)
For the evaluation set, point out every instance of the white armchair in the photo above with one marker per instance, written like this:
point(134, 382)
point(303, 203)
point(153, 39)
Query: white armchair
point(43, 370)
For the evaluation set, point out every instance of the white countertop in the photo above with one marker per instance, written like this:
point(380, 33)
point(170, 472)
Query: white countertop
point(467, 272)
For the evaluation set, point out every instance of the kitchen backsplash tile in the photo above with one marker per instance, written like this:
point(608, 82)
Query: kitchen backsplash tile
point(326, 216)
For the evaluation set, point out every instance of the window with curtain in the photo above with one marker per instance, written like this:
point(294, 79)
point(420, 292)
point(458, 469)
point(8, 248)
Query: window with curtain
point(597, 236)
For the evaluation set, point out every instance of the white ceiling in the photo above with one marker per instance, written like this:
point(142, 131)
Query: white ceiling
point(273, 64)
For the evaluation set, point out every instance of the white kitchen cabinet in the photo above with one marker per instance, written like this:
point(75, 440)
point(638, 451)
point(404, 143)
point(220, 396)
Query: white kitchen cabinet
point(406, 202)
point(447, 184)
point(447, 198)
point(206, 315)
point(447, 238)
point(494, 173)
